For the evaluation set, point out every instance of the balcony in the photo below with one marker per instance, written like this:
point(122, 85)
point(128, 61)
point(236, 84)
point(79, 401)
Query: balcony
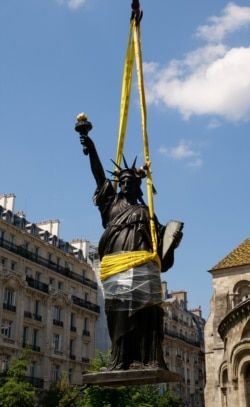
point(37, 284)
point(37, 317)
point(184, 338)
point(85, 333)
point(27, 314)
point(21, 251)
point(73, 328)
point(85, 360)
point(9, 307)
point(57, 322)
point(85, 304)
point(35, 382)
point(35, 348)
point(72, 357)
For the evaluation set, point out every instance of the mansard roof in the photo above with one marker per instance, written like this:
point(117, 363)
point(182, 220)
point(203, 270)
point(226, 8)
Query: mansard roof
point(238, 257)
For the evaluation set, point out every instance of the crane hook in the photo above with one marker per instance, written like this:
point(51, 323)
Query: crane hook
point(137, 13)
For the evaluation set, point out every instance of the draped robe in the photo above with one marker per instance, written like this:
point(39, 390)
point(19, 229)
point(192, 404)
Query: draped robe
point(134, 314)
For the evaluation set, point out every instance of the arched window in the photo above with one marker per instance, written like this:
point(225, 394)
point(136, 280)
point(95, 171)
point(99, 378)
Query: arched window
point(241, 291)
point(247, 385)
point(224, 387)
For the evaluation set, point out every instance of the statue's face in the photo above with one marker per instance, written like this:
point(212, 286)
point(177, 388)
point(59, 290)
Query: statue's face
point(129, 187)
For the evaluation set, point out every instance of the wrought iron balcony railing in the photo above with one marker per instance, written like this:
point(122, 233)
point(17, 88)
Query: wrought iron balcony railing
point(35, 382)
point(37, 284)
point(21, 251)
point(9, 307)
point(85, 304)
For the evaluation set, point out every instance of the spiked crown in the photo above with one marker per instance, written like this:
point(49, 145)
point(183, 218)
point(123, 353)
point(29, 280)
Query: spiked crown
point(127, 171)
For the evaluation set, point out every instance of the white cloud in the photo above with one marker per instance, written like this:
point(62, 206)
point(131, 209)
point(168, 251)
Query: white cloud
point(73, 4)
point(196, 163)
point(233, 18)
point(213, 80)
point(182, 151)
point(214, 123)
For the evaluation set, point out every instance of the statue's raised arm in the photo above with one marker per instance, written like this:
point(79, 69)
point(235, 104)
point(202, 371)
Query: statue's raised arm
point(83, 126)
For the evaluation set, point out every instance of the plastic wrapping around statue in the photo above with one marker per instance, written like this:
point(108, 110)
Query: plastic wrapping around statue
point(134, 289)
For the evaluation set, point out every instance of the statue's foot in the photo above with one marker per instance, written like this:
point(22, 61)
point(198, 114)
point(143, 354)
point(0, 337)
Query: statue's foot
point(120, 366)
point(136, 365)
point(155, 365)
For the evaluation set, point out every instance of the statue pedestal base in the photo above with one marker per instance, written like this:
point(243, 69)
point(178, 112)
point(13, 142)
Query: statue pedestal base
point(131, 377)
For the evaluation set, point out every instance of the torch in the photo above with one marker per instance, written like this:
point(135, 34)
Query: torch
point(83, 126)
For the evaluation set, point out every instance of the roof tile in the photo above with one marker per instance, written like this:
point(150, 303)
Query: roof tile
point(238, 257)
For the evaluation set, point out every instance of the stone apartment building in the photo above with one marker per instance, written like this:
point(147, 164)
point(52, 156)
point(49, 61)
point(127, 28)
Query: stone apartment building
point(48, 298)
point(183, 347)
point(227, 332)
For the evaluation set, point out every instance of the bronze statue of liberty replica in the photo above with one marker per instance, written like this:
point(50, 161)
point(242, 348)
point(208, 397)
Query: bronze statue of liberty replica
point(132, 284)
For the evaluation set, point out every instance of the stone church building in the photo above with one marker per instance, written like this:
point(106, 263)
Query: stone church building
point(227, 332)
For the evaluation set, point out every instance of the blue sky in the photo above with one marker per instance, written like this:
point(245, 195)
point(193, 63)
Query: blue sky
point(62, 57)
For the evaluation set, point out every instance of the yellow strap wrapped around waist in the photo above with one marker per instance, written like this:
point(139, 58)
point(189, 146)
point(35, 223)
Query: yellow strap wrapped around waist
point(116, 263)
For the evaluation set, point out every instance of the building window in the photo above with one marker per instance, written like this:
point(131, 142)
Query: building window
point(56, 374)
point(4, 261)
point(9, 297)
point(7, 329)
point(13, 266)
point(38, 276)
point(52, 282)
point(36, 253)
point(28, 271)
point(70, 375)
point(86, 327)
point(37, 307)
point(86, 324)
point(33, 369)
point(85, 353)
point(72, 349)
point(57, 313)
point(49, 258)
point(60, 285)
point(57, 340)
point(68, 268)
point(25, 335)
point(73, 322)
point(26, 246)
point(242, 291)
point(35, 340)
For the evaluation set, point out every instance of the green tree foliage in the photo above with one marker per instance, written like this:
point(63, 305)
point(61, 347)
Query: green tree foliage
point(101, 360)
point(15, 391)
point(61, 394)
point(129, 396)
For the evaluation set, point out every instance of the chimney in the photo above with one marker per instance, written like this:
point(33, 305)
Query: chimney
point(51, 226)
point(8, 201)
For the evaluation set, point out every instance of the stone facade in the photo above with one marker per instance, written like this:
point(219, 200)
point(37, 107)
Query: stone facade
point(183, 347)
point(48, 298)
point(227, 332)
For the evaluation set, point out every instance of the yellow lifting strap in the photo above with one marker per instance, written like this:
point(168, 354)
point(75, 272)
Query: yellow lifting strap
point(116, 263)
